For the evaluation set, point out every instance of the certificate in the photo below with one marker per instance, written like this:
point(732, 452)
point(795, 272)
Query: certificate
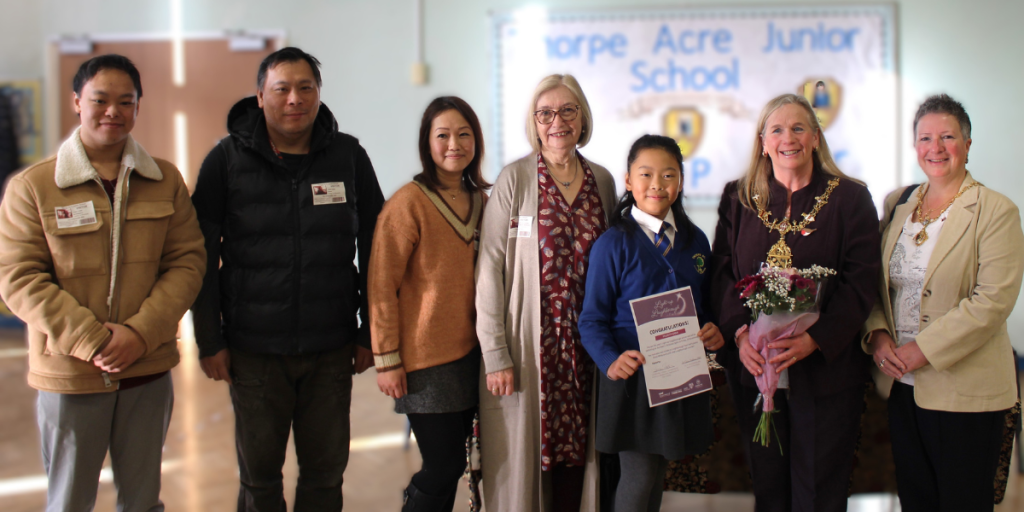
point(667, 325)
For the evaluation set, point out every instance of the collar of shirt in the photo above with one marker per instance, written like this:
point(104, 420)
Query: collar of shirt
point(651, 224)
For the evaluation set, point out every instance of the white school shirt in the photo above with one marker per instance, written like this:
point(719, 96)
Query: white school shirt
point(651, 224)
point(907, 267)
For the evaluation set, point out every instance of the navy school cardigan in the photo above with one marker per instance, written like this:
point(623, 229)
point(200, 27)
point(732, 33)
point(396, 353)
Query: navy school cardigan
point(626, 266)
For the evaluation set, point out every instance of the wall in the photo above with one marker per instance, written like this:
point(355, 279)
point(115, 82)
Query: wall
point(21, 41)
point(973, 53)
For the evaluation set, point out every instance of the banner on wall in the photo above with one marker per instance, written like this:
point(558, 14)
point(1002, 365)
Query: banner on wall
point(701, 76)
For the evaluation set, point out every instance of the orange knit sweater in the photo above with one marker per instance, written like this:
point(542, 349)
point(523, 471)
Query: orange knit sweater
point(421, 281)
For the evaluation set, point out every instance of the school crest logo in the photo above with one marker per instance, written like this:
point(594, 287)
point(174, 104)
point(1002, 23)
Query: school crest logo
point(700, 263)
point(686, 126)
point(826, 96)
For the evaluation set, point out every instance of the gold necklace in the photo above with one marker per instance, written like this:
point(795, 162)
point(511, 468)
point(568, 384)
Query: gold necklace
point(457, 192)
point(922, 236)
point(780, 255)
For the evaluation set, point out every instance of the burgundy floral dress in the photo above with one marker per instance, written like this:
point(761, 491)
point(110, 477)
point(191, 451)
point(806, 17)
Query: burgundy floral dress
point(566, 233)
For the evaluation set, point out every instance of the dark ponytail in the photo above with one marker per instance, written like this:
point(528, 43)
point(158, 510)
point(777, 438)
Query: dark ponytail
point(620, 217)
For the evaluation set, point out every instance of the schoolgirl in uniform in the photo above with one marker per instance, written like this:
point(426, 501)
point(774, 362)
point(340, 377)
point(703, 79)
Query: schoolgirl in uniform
point(651, 247)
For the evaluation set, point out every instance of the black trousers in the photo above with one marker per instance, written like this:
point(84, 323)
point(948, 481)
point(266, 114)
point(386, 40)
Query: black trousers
point(818, 437)
point(309, 395)
point(945, 461)
point(441, 439)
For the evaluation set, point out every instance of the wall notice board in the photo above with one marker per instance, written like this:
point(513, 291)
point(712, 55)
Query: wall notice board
point(701, 76)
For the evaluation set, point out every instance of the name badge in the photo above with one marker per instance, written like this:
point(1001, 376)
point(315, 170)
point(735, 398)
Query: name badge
point(81, 214)
point(329, 193)
point(520, 227)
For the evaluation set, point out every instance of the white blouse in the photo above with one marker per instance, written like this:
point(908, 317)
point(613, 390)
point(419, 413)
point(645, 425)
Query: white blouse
point(907, 267)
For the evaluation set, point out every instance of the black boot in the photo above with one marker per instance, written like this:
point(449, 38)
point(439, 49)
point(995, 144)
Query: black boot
point(418, 501)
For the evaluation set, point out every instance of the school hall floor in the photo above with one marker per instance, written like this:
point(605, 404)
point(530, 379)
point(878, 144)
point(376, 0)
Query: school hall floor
point(200, 471)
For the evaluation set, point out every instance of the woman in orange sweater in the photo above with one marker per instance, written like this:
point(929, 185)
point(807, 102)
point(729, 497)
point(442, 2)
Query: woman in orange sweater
point(421, 293)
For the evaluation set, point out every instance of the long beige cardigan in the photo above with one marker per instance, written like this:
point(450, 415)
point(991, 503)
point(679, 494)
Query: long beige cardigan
point(508, 325)
point(972, 283)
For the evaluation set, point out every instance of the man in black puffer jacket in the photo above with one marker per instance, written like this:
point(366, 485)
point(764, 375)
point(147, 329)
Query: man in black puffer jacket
point(284, 202)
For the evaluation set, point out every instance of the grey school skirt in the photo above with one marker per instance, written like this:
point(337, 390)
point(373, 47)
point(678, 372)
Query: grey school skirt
point(625, 421)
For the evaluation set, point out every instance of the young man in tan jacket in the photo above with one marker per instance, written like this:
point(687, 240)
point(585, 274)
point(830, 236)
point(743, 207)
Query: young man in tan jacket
point(101, 277)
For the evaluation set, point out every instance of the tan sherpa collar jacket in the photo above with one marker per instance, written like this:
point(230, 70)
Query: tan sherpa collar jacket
point(70, 260)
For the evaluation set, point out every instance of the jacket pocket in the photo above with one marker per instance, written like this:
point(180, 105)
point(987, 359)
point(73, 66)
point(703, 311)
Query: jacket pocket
point(145, 230)
point(78, 251)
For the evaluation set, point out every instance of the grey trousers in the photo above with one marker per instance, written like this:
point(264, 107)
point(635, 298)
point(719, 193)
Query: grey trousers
point(77, 430)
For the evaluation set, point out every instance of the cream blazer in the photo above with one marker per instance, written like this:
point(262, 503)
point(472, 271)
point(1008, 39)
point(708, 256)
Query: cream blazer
point(970, 288)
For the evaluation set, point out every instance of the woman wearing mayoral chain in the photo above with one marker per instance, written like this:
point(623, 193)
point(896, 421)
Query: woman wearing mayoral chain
point(794, 209)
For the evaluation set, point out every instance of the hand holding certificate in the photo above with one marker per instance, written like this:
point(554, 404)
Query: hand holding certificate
point(667, 328)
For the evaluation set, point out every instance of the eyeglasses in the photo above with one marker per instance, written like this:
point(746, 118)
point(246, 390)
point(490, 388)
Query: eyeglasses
point(567, 113)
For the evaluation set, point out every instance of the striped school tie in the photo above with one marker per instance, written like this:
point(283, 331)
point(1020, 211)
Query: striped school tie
point(662, 241)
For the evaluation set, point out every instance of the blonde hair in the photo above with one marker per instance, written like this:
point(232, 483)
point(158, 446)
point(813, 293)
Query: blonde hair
point(553, 82)
point(756, 182)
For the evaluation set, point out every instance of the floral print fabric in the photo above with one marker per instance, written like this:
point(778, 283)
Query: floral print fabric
point(565, 234)
point(907, 268)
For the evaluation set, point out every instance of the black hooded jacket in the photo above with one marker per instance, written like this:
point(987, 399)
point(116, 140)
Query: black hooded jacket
point(287, 282)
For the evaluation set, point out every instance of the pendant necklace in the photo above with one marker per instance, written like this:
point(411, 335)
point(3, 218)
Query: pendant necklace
point(780, 255)
point(565, 184)
point(457, 191)
point(922, 236)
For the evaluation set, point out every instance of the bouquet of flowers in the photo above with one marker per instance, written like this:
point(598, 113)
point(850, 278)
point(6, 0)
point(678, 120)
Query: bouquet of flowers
point(783, 303)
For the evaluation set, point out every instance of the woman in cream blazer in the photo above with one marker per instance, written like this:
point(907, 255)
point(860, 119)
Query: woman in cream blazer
point(951, 272)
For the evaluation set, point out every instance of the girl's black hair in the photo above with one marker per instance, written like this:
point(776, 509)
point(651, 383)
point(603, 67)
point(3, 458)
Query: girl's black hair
point(620, 216)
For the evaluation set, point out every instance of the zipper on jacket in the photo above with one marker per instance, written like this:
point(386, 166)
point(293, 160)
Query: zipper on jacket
point(106, 380)
point(297, 243)
point(110, 242)
point(115, 293)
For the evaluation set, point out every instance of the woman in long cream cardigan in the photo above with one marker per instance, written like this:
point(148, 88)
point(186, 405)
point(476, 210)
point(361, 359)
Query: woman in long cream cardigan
point(536, 396)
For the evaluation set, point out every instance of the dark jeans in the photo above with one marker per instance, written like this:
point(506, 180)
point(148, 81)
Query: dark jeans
point(442, 442)
point(945, 461)
point(273, 395)
point(819, 438)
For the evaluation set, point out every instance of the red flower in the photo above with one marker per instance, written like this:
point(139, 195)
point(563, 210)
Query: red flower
point(750, 285)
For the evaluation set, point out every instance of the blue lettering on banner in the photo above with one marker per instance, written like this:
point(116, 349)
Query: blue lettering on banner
point(816, 40)
point(692, 41)
point(699, 168)
point(572, 47)
point(678, 78)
